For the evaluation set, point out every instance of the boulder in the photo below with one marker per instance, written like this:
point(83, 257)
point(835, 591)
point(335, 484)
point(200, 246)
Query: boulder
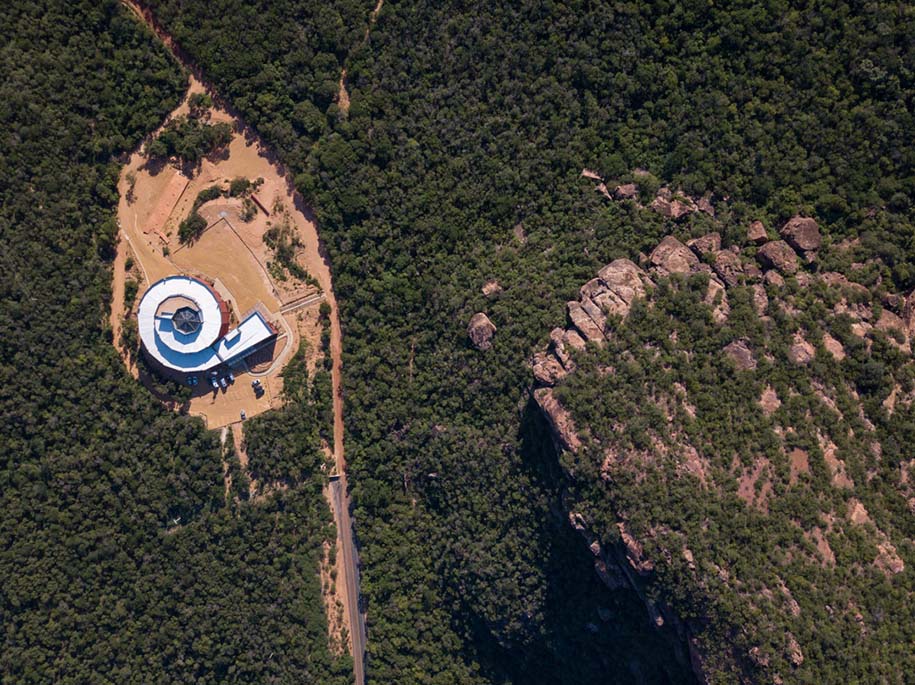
point(673, 257)
point(756, 233)
point(795, 655)
point(752, 272)
point(557, 340)
point(572, 339)
point(728, 267)
point(740, 353)
point(481, 331)
point(547, 369)
point(834, 347)
point(593, 175)
point(774, 278)
point(584, 323)
point(623, 282)
point(491, 288)
point(705, 205)
point(778, 255)
point(706, 244)
point(802, 234)
point(672, 208)
point(627, 191)
point(801, 352)
point(561, 424)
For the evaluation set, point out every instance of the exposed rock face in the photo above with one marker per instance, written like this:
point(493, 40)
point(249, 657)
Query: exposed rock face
point(705, 205)
point(547, 369)
point(627, 191)
point(481, 331)
point(778, 255)
point(802, 234)
point(728, 266)
point(673, 257)
point(561, 423)
point(756, 233)
point(622, 282)
point(584, 323)
point(801, 352)
point(634, 552)
point(739, 351)
point(834, 347)
point(672, 208)
point(795, 655)
point(706, 244)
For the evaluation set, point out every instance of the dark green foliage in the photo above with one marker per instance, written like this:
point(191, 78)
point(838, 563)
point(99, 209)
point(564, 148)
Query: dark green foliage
point(640, 431)
point(468, 122)
point(191, 228)
point(121, 560)
point(189, 140)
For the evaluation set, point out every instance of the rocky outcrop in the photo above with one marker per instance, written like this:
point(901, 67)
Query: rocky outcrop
point(801, 352)
point(707, 244)
point(801, 233)
point(561, 424)
point(673, 257)
point(491, 288)
point(582, 321)
point(626, 191)
point(778, 255)
point(740, 353)
point(481, 330)
point(728, 267)
point(547, 369)
point(756, 233)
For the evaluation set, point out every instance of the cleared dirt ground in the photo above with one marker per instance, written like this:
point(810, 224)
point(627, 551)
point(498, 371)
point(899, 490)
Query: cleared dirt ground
point(231, 254)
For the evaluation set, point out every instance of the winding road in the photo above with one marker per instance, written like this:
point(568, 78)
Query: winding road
point(319, 267)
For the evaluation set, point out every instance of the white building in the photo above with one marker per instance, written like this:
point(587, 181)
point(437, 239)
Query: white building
point(184, 327)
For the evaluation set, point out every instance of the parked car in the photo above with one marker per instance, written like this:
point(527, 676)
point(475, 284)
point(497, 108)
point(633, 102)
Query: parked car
point(231, 377)
point(214, 383)
point(243, 415)
point(256, 382)
point(222, 382)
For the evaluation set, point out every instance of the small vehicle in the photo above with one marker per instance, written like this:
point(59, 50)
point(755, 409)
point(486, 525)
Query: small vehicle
point(222, 382)
point(243, 415)
point(255, 383)
point(214, 383)
point(231, 377)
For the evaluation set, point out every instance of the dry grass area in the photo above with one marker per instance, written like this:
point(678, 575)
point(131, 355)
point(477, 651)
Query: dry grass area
point(231, 254)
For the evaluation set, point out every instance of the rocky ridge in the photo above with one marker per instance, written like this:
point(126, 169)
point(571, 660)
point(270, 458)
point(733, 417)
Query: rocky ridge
point(772, 275)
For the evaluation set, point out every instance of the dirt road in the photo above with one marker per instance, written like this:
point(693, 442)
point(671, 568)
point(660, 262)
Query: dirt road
point(318, 266)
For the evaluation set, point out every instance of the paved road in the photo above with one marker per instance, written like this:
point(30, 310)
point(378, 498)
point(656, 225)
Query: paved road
point(351, 572)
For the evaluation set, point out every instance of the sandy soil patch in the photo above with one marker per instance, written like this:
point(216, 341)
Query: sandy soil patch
point(231, 254)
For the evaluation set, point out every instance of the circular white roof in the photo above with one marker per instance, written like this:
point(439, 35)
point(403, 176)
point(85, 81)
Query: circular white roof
point(163, 340)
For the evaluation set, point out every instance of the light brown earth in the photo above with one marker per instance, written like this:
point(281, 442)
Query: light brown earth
point(231, 254)
point(314, 260)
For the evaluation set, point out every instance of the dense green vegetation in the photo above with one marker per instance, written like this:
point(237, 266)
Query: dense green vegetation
point(458, 162)
point(123, 560)
point(666, 357)
point(189, 140)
